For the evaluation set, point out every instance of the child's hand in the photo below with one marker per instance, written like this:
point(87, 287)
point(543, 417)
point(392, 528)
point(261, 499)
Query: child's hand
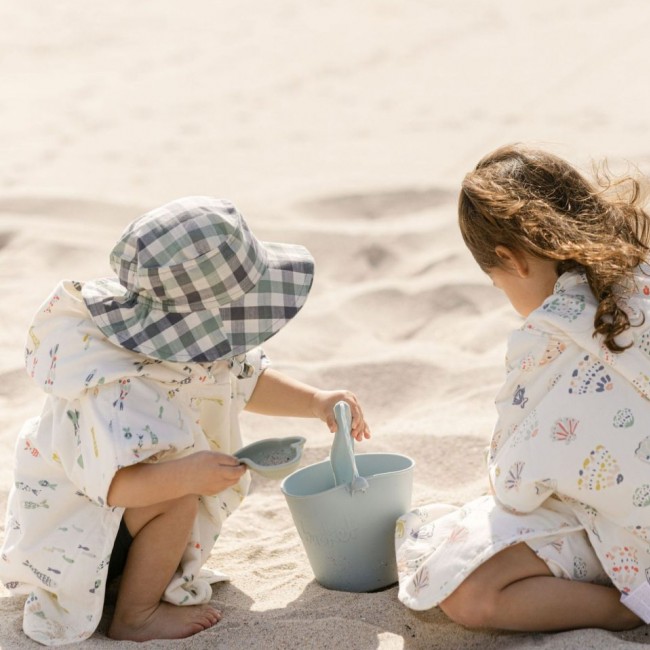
point(214, 471)
point(322, 406)
point(203, 472)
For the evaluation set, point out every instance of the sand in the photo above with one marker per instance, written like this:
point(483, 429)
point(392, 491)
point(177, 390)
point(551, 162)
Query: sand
point(344, 126)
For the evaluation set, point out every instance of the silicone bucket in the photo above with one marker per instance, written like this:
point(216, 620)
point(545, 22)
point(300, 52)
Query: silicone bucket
point(349, 536)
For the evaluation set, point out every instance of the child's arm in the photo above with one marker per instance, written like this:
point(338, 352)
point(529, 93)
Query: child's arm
point(277, 394)
point(204, 472)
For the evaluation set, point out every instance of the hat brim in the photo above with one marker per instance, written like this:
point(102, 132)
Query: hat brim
point(206, 335)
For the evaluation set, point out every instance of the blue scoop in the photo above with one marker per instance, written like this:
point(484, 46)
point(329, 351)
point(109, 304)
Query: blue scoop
point(273, 458)
point(342, 459)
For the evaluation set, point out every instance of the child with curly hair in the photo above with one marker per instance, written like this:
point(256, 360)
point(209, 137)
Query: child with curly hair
point(563, 540)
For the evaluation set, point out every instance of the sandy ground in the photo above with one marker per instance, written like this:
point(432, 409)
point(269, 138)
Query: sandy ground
point(346, 127)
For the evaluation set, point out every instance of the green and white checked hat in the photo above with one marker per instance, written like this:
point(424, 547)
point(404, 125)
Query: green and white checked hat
point(194, 284)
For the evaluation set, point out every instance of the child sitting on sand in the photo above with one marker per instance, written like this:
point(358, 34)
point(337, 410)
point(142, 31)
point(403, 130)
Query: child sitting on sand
point(128, 470)
point(564, 541)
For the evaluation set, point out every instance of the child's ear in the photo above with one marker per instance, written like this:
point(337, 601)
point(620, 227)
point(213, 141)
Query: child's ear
point(512, 260)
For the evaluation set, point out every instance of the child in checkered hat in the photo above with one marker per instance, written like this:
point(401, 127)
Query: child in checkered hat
point(129, 468)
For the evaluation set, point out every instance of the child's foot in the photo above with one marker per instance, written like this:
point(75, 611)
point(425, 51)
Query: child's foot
point(167, 621)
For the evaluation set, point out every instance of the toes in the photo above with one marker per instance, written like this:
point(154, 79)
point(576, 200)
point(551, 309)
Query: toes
point(209, 617)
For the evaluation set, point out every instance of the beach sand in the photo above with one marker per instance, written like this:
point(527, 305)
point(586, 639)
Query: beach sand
point(346, 127)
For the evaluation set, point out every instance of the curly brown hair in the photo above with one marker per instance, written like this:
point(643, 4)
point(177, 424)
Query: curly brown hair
point(535, 202)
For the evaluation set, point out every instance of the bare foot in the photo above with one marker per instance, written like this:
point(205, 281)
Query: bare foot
point(167, 621)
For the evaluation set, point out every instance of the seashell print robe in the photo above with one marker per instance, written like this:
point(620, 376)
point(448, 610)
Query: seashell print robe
point(570, 451)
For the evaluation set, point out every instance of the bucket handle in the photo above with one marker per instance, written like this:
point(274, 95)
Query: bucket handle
point(342, 459)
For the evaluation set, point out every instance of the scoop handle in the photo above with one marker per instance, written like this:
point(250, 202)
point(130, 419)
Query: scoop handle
point(343, 416)
point(342, 452)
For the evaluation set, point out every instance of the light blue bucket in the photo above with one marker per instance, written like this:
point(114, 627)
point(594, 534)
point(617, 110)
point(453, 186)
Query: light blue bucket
point(345, 510)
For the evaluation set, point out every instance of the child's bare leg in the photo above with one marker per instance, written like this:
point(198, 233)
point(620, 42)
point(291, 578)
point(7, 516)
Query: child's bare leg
point(515, 590)
point(160, 533)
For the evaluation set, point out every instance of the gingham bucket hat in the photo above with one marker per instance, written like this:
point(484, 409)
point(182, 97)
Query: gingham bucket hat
point(194, 284)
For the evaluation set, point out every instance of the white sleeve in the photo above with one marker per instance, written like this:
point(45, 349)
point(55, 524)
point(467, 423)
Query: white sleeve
point(246, 370)
point(115, 426)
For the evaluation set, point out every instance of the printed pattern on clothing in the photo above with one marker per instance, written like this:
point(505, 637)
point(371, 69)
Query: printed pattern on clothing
point(569, 427)
point(107, 408)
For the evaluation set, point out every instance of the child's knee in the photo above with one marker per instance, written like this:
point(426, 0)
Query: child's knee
point(470, 606)
point(187, 505)
point(182, 510)
point(180, 514)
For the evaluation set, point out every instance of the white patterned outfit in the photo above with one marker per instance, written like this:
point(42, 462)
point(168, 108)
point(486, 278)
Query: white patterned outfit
point(569, 461)
point(107, 408)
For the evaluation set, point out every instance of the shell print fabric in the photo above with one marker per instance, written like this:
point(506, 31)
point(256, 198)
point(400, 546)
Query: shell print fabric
point(623, 418)
point(566, 307)
point(590, 375)
point(570, 430)
point(599, 471)
point(565, 430)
